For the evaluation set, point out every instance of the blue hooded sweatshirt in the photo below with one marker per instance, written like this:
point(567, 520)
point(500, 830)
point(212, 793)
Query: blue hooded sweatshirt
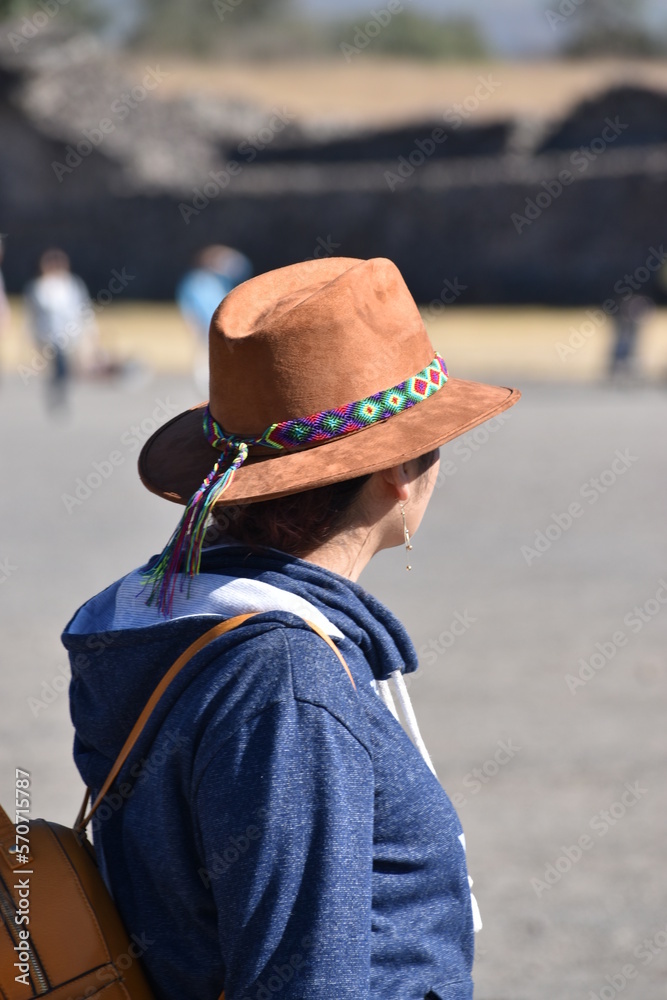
point(275, 831)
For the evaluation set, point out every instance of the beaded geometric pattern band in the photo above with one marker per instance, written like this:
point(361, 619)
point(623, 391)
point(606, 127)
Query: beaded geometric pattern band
point(182, 554)
point(341, 420)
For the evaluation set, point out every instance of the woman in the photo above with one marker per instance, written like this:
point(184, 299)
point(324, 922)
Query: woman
point(277, 831)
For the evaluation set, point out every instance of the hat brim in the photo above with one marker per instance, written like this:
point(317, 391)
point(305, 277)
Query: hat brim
point(177, 458)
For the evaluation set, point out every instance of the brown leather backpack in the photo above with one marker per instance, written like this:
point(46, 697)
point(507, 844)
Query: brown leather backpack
point(61, 935)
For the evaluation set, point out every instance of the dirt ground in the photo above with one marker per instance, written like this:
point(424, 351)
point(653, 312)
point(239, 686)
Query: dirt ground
point(532, 342)
point(546, 727)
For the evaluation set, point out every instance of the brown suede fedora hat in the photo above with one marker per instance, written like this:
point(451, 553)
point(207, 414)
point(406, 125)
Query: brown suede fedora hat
point(300, 340)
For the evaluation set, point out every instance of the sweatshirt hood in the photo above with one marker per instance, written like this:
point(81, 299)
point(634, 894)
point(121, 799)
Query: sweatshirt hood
point(119, 647)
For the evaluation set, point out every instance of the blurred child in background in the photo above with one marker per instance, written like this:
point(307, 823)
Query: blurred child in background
point(61, 320)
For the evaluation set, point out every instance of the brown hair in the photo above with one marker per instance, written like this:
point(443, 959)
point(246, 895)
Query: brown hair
point(299, 522)
point(53, 259)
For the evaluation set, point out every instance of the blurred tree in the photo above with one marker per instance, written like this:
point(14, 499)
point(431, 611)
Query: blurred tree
point(239, 27)
point(197, 25)
point(12, 8)
point(423, 37)
point(87, 14)
point(604, 28)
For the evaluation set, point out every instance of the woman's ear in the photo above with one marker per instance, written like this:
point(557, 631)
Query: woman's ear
point(397, 481)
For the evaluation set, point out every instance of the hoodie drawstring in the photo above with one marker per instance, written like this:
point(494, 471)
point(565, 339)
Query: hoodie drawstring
point(385, 694)
point(410, 717)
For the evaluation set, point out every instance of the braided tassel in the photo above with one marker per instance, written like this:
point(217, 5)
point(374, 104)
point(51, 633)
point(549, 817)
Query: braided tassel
point(182, 554)
point(183, 551)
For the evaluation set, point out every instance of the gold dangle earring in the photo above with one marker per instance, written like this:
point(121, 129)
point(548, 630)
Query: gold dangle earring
point(406, 533)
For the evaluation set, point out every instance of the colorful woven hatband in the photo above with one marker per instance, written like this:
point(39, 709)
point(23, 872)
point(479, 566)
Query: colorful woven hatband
point(182, 554)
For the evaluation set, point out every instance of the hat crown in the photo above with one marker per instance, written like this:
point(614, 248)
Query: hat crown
point(310, 337)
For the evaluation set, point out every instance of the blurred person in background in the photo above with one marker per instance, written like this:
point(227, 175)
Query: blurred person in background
point(627, 326)
point(4, 302)
point(61, 320)
point(216, 270)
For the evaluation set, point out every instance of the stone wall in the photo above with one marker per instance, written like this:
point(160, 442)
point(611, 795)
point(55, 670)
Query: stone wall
point(497, 221)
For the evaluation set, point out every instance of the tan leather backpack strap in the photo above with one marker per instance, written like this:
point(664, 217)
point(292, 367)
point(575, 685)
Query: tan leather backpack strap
point(83, 820)
point(329, 641)
point(174, 670)
point(82, 812)
point(7, 830)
